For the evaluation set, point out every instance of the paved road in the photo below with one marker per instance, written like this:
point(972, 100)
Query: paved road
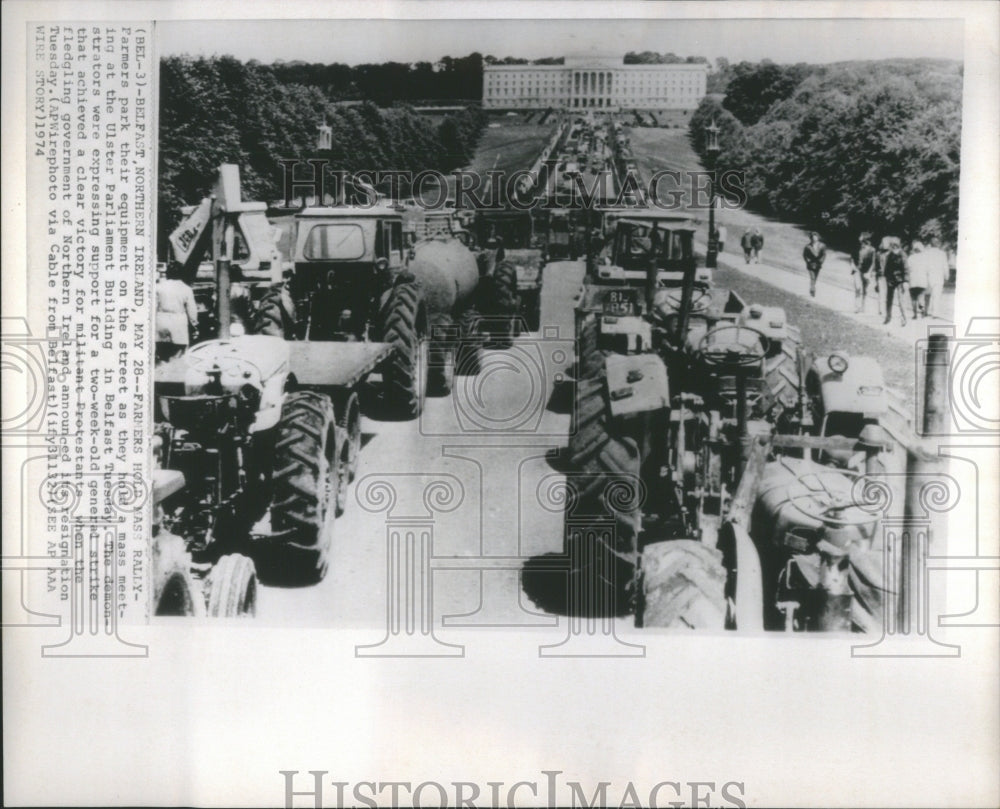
point(487, 441)
point(472, 475)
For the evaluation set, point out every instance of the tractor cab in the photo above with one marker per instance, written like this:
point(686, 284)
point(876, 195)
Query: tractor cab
point(345, 258)
point(563, 238)
point(846, 395)
point(636, 240)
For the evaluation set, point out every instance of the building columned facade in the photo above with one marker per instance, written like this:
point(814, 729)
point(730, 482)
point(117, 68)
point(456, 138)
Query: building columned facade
point(594, 83)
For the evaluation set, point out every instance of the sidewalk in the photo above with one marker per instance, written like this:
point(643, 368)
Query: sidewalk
point(835, 291)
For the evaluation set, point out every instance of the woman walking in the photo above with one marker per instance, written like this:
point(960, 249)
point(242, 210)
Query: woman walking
point(814, 254)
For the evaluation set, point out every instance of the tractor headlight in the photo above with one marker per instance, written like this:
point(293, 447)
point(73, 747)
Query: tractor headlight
point(837, 363)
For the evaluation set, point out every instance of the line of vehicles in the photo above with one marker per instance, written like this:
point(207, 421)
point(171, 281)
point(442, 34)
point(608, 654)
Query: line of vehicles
point(715, 462)
point(258, 430)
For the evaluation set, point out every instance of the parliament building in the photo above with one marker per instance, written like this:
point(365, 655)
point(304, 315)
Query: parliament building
point(594, 83)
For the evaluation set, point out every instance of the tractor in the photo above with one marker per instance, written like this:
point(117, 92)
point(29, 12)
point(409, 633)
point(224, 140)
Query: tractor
point(263, 433)
point(694, 402)
point(266, 434)
point(224, 586)
point(355, 279)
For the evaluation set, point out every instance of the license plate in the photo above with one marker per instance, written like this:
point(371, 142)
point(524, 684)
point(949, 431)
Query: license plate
point(621, 302)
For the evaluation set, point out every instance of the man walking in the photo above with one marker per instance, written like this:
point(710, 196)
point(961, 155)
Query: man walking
point(721, 237)
point(757, 243)
point(896, 279)
point(814, 255)
point(884, 248)
point(746, 242)
point(862, 270)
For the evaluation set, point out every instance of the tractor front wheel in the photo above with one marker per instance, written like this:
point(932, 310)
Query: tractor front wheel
point(305, 483)
point(232, 588)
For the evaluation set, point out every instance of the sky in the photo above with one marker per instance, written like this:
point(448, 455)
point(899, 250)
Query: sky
point(359, 41)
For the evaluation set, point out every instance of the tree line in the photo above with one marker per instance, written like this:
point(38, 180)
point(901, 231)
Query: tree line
point(845, 147)
point(221, 110)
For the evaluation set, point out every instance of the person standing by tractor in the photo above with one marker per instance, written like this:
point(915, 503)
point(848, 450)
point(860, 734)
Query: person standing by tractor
point(746, 242)
point(814, 254)
point(884, 247)
point(863, 262)
point(896, 280)
point(757, 243)
point(176, 314)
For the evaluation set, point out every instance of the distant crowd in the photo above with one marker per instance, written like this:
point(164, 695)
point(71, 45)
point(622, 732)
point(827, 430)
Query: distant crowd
point(888, 273)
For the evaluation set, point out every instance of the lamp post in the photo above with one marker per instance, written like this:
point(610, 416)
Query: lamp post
point(711, 154)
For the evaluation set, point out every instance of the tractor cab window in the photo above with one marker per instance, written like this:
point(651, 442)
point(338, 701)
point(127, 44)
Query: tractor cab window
point(847, 424)
point(335, 242)
point(395, 232)
point(635, 242)
point(680, 245)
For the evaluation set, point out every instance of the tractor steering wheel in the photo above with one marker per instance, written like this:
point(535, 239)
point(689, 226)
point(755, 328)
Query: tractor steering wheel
point(838, 501)
point(701, 300)
point(220, 355)
point(732, 352)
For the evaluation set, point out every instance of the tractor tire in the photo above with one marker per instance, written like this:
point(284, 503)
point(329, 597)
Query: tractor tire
point(683, 586)
point(441, 370)
point(349, 420)
point(502, 301)
point(231, 590)
point(271, 317)
point(605, 468)
point(405, 374)
point(781, 374)
point(589, 358)
point(469, 351)
point(304, 483)
point(179, 594)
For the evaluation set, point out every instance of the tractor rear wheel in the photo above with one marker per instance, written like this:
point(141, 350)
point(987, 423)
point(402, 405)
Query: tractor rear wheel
point(502, 301)
point(305, 482)
point(782, 373)
point(605, 475)
point(683, 585)
point(405, 374)
point(271, 317)
point(179, 594)
point(590, 359)
point(441, 370)
point(468, 353)
point(232, 587)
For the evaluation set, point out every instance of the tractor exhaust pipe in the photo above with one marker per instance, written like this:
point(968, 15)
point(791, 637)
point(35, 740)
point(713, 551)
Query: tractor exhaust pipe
point(651, 269)
point(223, 300)
point(687, 293)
